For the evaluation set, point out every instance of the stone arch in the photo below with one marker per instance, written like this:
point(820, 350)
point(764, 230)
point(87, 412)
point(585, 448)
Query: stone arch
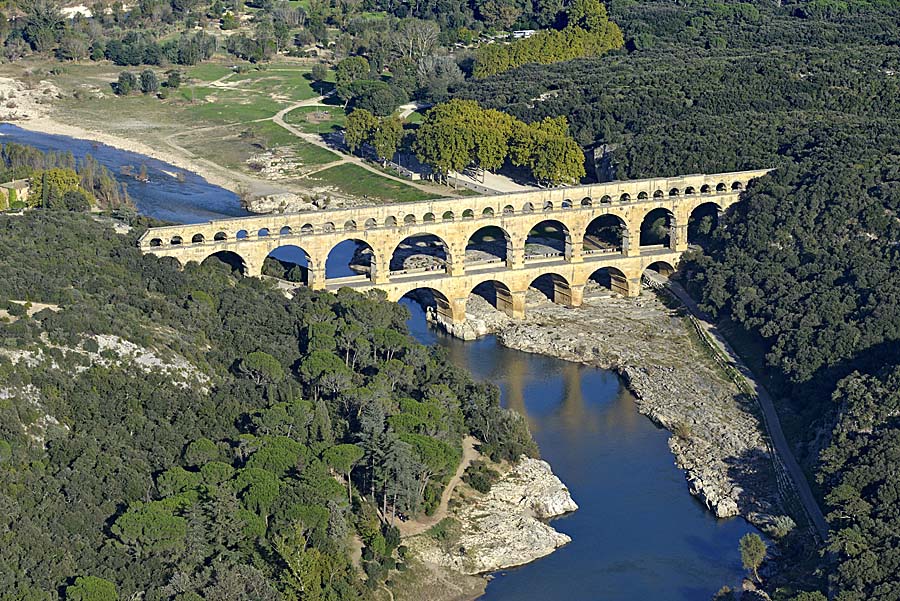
point(410, 219)
point(509, 210)
point(659, 194)
point(435, 303)
point(488, 244)
point(424, 251)
point(606, 233)
point(690, 190)
point(307, 228)
point(661, 267)
point(487, 212)
point(528, 208)
point(554, 287)
point(350, 225)
point(155, 242)
point(566, 204)
point(288, 262)
point(220, 237)
point(721, 187)
point(285, 231)
point(447, 216)
point(428, 218)
point(497, 294)
point(705, 189)
point(233, 260)
point(548, 205)
point(605, 199)
point(674, 192)
point(587, 201)
point(241, 235)
point(737, 186)
point(656, 227)
point(352, 257)
point(262, 232)
point(625, 197)
point(390, 221)
point(176, 241)
point(328, 226)
point(198, 239)
point(370, 223)
point(704, 218)
point(642, 195)
point(611, 278)
point(468, 214)
point(548, 238)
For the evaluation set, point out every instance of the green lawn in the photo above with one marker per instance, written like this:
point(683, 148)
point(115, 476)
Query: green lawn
point(353, 179)
point(299, 119)
point(208, 71)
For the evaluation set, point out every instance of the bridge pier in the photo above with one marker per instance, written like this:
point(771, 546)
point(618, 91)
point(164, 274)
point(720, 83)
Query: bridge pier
point(678, 237)
point(576, 295)
point(316, 278)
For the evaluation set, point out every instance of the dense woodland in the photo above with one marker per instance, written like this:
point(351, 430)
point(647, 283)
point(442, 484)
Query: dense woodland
point(312, 421)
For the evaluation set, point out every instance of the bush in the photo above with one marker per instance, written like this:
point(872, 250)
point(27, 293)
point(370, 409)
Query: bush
point(480, 476)
point(149, 81)
point(126, 83)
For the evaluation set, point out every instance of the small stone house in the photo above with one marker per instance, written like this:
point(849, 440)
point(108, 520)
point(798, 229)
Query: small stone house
point(14, 191)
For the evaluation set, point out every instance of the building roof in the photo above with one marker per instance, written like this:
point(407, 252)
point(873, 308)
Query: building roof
point(18, 184)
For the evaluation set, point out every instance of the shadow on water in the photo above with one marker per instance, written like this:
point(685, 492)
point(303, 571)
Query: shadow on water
point(638, 533)
point(164, 197)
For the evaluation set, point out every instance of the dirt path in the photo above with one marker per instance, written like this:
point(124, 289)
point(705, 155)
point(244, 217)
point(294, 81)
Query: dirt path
point(420, 525)
point(772, 422)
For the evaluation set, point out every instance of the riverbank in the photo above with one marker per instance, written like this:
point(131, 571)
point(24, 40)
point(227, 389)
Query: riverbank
point(717, 437)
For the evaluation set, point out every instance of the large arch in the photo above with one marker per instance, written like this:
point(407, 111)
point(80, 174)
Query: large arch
point(421, 251)
point(554, 287)
point(703, 220)
point(606, 233)
point(548, 238)
point(497, 294)
point(435, 304)
point(489, 244)
point(227, 259)
point(351, 257)
point(288, 262)
point(656, 228)
point(661, 267)
point(610, 278)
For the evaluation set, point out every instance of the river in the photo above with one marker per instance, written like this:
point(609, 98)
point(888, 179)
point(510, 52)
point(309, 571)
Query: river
point(638, 534)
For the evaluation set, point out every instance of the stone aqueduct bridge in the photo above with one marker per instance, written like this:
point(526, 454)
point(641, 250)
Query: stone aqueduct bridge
point(454, 221)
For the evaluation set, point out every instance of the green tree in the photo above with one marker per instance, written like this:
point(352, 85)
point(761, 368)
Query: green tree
point(387, 137)
point(126, 83)
point(342, 458)
point(91, 588)
point(262, 368)
point(349, 70)
point(149, 81)
point(359, 129)
point(753, 552)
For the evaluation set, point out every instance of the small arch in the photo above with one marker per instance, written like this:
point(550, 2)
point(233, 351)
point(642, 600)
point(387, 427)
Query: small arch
point(428, 218)
point(548, 206)
point(567, 204)
point(690, 190)
point(555, 287)
point(509, 210)
point(625, 197)
point(220, 236)
point(661, 267)
point(721, 187)
point(175, 241)
point(285, 231)
point(328, 226)
point(409, 219)
point(155, 242)
point(737, 186)
point(370, 223)
point(642, 195)
point(262, 233)
point(674, 192)
point(198, 239)
point(349, 225)
point(241, 235)
point(606, 199)
point(487, 212)
point(528, 208)
point(705, 189)
point(468, 214)
point(390, 222)
point(587, 202)
point(420, 252)
point(659, 194)
point(307, 228)
point(447, 216)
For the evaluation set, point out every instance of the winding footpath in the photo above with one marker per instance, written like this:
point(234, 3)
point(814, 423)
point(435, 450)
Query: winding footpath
point(770, 415)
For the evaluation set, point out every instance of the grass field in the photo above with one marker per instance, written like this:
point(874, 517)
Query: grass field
point(300, 118)
point(352, 179)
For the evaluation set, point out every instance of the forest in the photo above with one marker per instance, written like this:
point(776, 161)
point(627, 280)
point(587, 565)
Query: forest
point(271, 434)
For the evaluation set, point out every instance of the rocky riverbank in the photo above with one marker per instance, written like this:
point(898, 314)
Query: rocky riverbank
point(502, 528)
point(717, 438)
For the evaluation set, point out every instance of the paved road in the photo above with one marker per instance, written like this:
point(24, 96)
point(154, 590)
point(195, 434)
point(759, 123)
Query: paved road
point(772, 423)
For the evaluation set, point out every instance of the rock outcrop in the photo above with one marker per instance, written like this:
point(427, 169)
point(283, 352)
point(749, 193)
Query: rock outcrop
point(503, 528)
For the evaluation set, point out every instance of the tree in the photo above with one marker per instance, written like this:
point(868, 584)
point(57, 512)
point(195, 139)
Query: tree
point(753, 552)
point(415, 39)
point(342, 458)
point(126, 83)
point(91, 588)
point(360, 126)
point(43, 23)
point(262, 368)
point(387, 137)
point(319, 72)
point(349, 70)
point(149, 81)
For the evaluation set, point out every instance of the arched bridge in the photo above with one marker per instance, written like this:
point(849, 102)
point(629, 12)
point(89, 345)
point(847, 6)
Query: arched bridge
point(563, 236)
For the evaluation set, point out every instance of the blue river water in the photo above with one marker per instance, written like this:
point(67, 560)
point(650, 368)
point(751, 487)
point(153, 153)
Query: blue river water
point(638, 534)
